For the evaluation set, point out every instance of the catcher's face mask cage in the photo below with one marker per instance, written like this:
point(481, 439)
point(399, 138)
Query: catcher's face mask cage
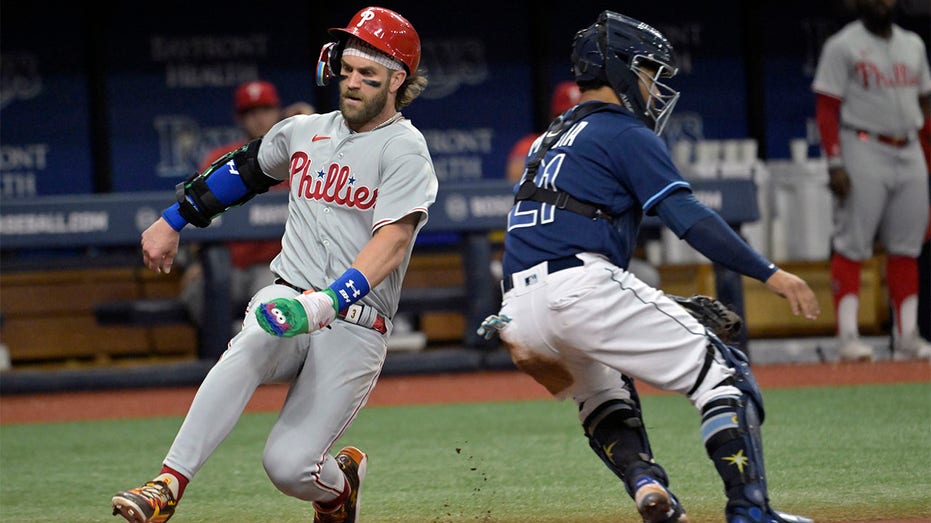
point(661, 98)
point(381, 28)
point(624, 52)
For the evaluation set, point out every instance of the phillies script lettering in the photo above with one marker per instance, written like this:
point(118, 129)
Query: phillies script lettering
point(335, 185)
point(871, 76)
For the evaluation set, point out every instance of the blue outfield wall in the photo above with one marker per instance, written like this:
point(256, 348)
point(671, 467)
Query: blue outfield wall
point(139, 95)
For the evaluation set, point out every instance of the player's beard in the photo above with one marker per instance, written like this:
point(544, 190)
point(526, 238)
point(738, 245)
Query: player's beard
point(359, 116)
point(876, 16)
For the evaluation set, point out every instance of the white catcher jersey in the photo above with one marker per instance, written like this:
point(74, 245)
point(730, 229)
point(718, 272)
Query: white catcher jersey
point(879, 80)
point(343, 187)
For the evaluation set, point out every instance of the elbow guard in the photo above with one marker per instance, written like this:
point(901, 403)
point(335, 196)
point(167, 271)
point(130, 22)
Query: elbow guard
point(233, 179)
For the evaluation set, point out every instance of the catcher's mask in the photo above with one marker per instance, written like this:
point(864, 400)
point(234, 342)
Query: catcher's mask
point(381, 28)
point(621, 52)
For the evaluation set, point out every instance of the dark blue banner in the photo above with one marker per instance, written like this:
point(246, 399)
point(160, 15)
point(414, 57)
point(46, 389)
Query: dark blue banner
point(45, 130)
point(132, 100)
point(172, 79)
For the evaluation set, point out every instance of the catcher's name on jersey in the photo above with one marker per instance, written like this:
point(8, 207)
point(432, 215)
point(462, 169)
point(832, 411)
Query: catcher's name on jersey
point(336, 184)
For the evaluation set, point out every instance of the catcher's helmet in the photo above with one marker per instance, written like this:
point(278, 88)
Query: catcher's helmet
point(381, 28)
point(621, 51)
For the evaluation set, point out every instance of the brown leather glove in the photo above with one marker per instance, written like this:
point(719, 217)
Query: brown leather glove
point(713, 314)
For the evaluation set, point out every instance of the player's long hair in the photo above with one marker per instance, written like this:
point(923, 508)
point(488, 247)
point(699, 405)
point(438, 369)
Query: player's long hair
point(413, 85)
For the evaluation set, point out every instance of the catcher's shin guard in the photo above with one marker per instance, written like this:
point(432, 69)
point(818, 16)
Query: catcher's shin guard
point(615, 432)
point(731, 433)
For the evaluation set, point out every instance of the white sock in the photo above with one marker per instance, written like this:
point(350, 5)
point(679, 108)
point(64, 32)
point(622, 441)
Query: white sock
point(906, 322)
point(171, 481)
point(847, 323)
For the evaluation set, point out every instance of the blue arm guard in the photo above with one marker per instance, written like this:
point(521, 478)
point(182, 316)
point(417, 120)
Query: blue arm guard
point(231, 180)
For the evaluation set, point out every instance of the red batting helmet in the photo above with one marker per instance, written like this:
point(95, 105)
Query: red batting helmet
point(381, 28)
point(388, 32)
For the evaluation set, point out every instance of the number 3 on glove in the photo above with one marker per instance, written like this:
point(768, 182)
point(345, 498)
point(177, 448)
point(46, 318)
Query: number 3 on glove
point(287, 317)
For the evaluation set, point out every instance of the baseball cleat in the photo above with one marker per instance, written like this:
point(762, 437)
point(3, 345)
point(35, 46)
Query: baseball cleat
point(913, 348)
point(757, 515)
point(352, 462)
point(150, 503)
point(855, 350)
point(658, 505)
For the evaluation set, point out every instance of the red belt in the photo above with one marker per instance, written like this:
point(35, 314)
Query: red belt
point(895, 141)
point(355, 313)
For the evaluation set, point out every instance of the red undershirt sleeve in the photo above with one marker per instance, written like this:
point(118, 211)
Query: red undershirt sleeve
point(827, 113)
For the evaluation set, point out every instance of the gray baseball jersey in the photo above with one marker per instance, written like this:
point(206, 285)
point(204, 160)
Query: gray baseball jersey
point(336, 178)
point(878, 81)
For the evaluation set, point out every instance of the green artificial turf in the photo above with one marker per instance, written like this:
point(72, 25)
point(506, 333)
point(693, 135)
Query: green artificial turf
point(837, 454)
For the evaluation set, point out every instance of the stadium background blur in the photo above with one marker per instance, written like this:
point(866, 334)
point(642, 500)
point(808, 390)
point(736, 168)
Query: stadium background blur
point(129, 100)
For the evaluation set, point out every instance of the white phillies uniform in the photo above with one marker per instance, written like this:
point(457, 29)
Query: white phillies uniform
point(344, 186)
point(879, 81)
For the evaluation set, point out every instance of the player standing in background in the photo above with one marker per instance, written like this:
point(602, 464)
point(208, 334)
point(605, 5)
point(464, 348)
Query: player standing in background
point(361, 182)
point(257, 108)
point(585, 327)
point(873, 101)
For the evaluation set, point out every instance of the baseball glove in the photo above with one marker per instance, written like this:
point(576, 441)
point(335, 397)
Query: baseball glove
point(713, 314)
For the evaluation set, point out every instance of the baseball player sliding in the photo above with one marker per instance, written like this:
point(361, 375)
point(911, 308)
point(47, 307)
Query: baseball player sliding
point(873, 101)
point(361, 181)
point(585, 327)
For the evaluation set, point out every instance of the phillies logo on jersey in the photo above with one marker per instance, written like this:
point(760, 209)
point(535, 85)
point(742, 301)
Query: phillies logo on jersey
point(872, 76)
point(336, 184)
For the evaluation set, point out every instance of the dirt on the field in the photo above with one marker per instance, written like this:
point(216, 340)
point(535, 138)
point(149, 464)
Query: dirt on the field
point(418, 389)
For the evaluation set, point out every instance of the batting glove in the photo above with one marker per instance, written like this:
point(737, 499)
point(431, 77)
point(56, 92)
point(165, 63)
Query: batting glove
point(492, 325)
point(287, 317)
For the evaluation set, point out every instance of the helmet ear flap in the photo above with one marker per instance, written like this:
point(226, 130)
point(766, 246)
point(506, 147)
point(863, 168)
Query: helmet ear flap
point(328, 65)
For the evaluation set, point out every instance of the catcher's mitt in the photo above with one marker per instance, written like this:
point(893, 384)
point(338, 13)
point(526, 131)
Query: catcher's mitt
point(713, 314)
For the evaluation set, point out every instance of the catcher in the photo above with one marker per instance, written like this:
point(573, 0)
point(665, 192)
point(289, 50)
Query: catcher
point(576, 319)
